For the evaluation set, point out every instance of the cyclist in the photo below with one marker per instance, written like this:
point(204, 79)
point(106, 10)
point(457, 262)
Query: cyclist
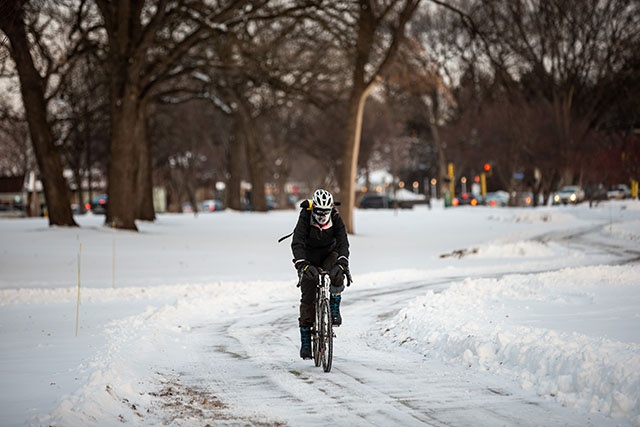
point(319, 241)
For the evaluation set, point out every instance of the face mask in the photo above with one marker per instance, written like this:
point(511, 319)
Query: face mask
point(321, 215)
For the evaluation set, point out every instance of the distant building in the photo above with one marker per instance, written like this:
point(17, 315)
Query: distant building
point(13, 197)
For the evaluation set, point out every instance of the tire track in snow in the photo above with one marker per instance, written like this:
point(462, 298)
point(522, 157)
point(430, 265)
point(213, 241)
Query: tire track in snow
point(254, 368)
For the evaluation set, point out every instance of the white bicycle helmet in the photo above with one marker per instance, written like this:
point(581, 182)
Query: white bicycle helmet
point(322, 199)
point(322, 205)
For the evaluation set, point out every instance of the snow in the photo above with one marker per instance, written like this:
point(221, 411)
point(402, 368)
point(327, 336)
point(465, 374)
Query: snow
point(461, 316)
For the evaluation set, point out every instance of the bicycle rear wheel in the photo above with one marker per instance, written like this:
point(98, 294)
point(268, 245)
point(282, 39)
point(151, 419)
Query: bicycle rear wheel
point(326, 336)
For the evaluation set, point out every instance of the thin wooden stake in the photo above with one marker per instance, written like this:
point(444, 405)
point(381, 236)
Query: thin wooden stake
point(78, 302)
point(113, 264)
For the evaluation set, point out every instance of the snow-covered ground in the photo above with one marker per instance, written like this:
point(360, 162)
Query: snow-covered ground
point(463, 316)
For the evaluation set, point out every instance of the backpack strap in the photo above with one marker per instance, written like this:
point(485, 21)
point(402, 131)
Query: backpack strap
point(285, 237)
point(306, 205)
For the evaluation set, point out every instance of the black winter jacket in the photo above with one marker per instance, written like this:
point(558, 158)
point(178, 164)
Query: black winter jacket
point(314, 244)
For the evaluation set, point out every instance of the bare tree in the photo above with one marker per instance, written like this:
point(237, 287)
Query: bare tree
point(557, 56)
point(82, 122)
point(16, 152)
point(145, 45)
point(373, 49)
point(417, 90)
point(188, 153)
point(33, 87)
point(279, 59)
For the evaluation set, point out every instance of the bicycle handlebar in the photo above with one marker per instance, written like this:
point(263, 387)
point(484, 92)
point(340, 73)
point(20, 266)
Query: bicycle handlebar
point(322, 271)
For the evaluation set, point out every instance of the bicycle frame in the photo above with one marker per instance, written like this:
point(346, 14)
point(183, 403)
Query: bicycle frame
point(322, 332)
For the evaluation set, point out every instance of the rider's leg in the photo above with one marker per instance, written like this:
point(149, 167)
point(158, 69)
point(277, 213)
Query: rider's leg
point(307, 316)
point(330, 261)
point(337, 286)
point(305, 343)
point(334, 305)
point(307, 302)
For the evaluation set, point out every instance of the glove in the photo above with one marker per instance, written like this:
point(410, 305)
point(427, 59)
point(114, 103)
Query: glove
point(342, 268)
point(305, 268)
point(343, 262)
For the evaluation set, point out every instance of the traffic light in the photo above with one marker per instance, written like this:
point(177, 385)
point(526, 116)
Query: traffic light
point(486, 171)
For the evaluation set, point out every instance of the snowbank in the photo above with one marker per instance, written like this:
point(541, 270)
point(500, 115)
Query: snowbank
point(541, 330)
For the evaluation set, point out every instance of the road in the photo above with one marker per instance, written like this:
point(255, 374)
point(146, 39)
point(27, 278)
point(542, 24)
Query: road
point(252, 375)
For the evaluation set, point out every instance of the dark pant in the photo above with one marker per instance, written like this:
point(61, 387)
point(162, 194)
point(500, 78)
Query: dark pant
point(308, 288)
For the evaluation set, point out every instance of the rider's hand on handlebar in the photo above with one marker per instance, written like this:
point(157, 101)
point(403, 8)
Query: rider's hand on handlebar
point(343, 262)
point(342, 267)
point(305, 268)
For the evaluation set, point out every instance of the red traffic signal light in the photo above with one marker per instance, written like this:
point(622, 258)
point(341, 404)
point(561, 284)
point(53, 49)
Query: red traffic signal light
point(487, 167)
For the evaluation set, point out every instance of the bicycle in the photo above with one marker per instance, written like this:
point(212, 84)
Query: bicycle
point(322, 331)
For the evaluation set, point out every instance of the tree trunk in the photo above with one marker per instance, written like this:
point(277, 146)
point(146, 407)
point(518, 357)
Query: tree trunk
point(282, 177)
point(368, 23)
point(255, 161)
point(355, 107)
point(32, 88)
point(144, 194)
point(235, 161)
point(123, 156)
point(350, 154)
point(127, 110)
point(435, 131)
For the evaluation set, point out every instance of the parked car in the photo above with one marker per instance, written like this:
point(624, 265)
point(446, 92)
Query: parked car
point(382, 201)
point(569, 194)
point(76, 209)
point(98, 204)
point(10, 210)
point(213, 205)
point(465, 199)
point(186, 207)
point(522, 199)
point(595, 192)
point(497, 198)
point(271, 202)
point(619, 191)
point(293, 201)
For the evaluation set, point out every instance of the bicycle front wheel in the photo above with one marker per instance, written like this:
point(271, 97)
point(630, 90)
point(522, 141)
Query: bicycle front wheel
point(326, 336)
point(315, 338)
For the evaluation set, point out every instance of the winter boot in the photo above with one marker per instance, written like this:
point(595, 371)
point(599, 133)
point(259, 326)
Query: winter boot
point(334, 304)
point(305, 339)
